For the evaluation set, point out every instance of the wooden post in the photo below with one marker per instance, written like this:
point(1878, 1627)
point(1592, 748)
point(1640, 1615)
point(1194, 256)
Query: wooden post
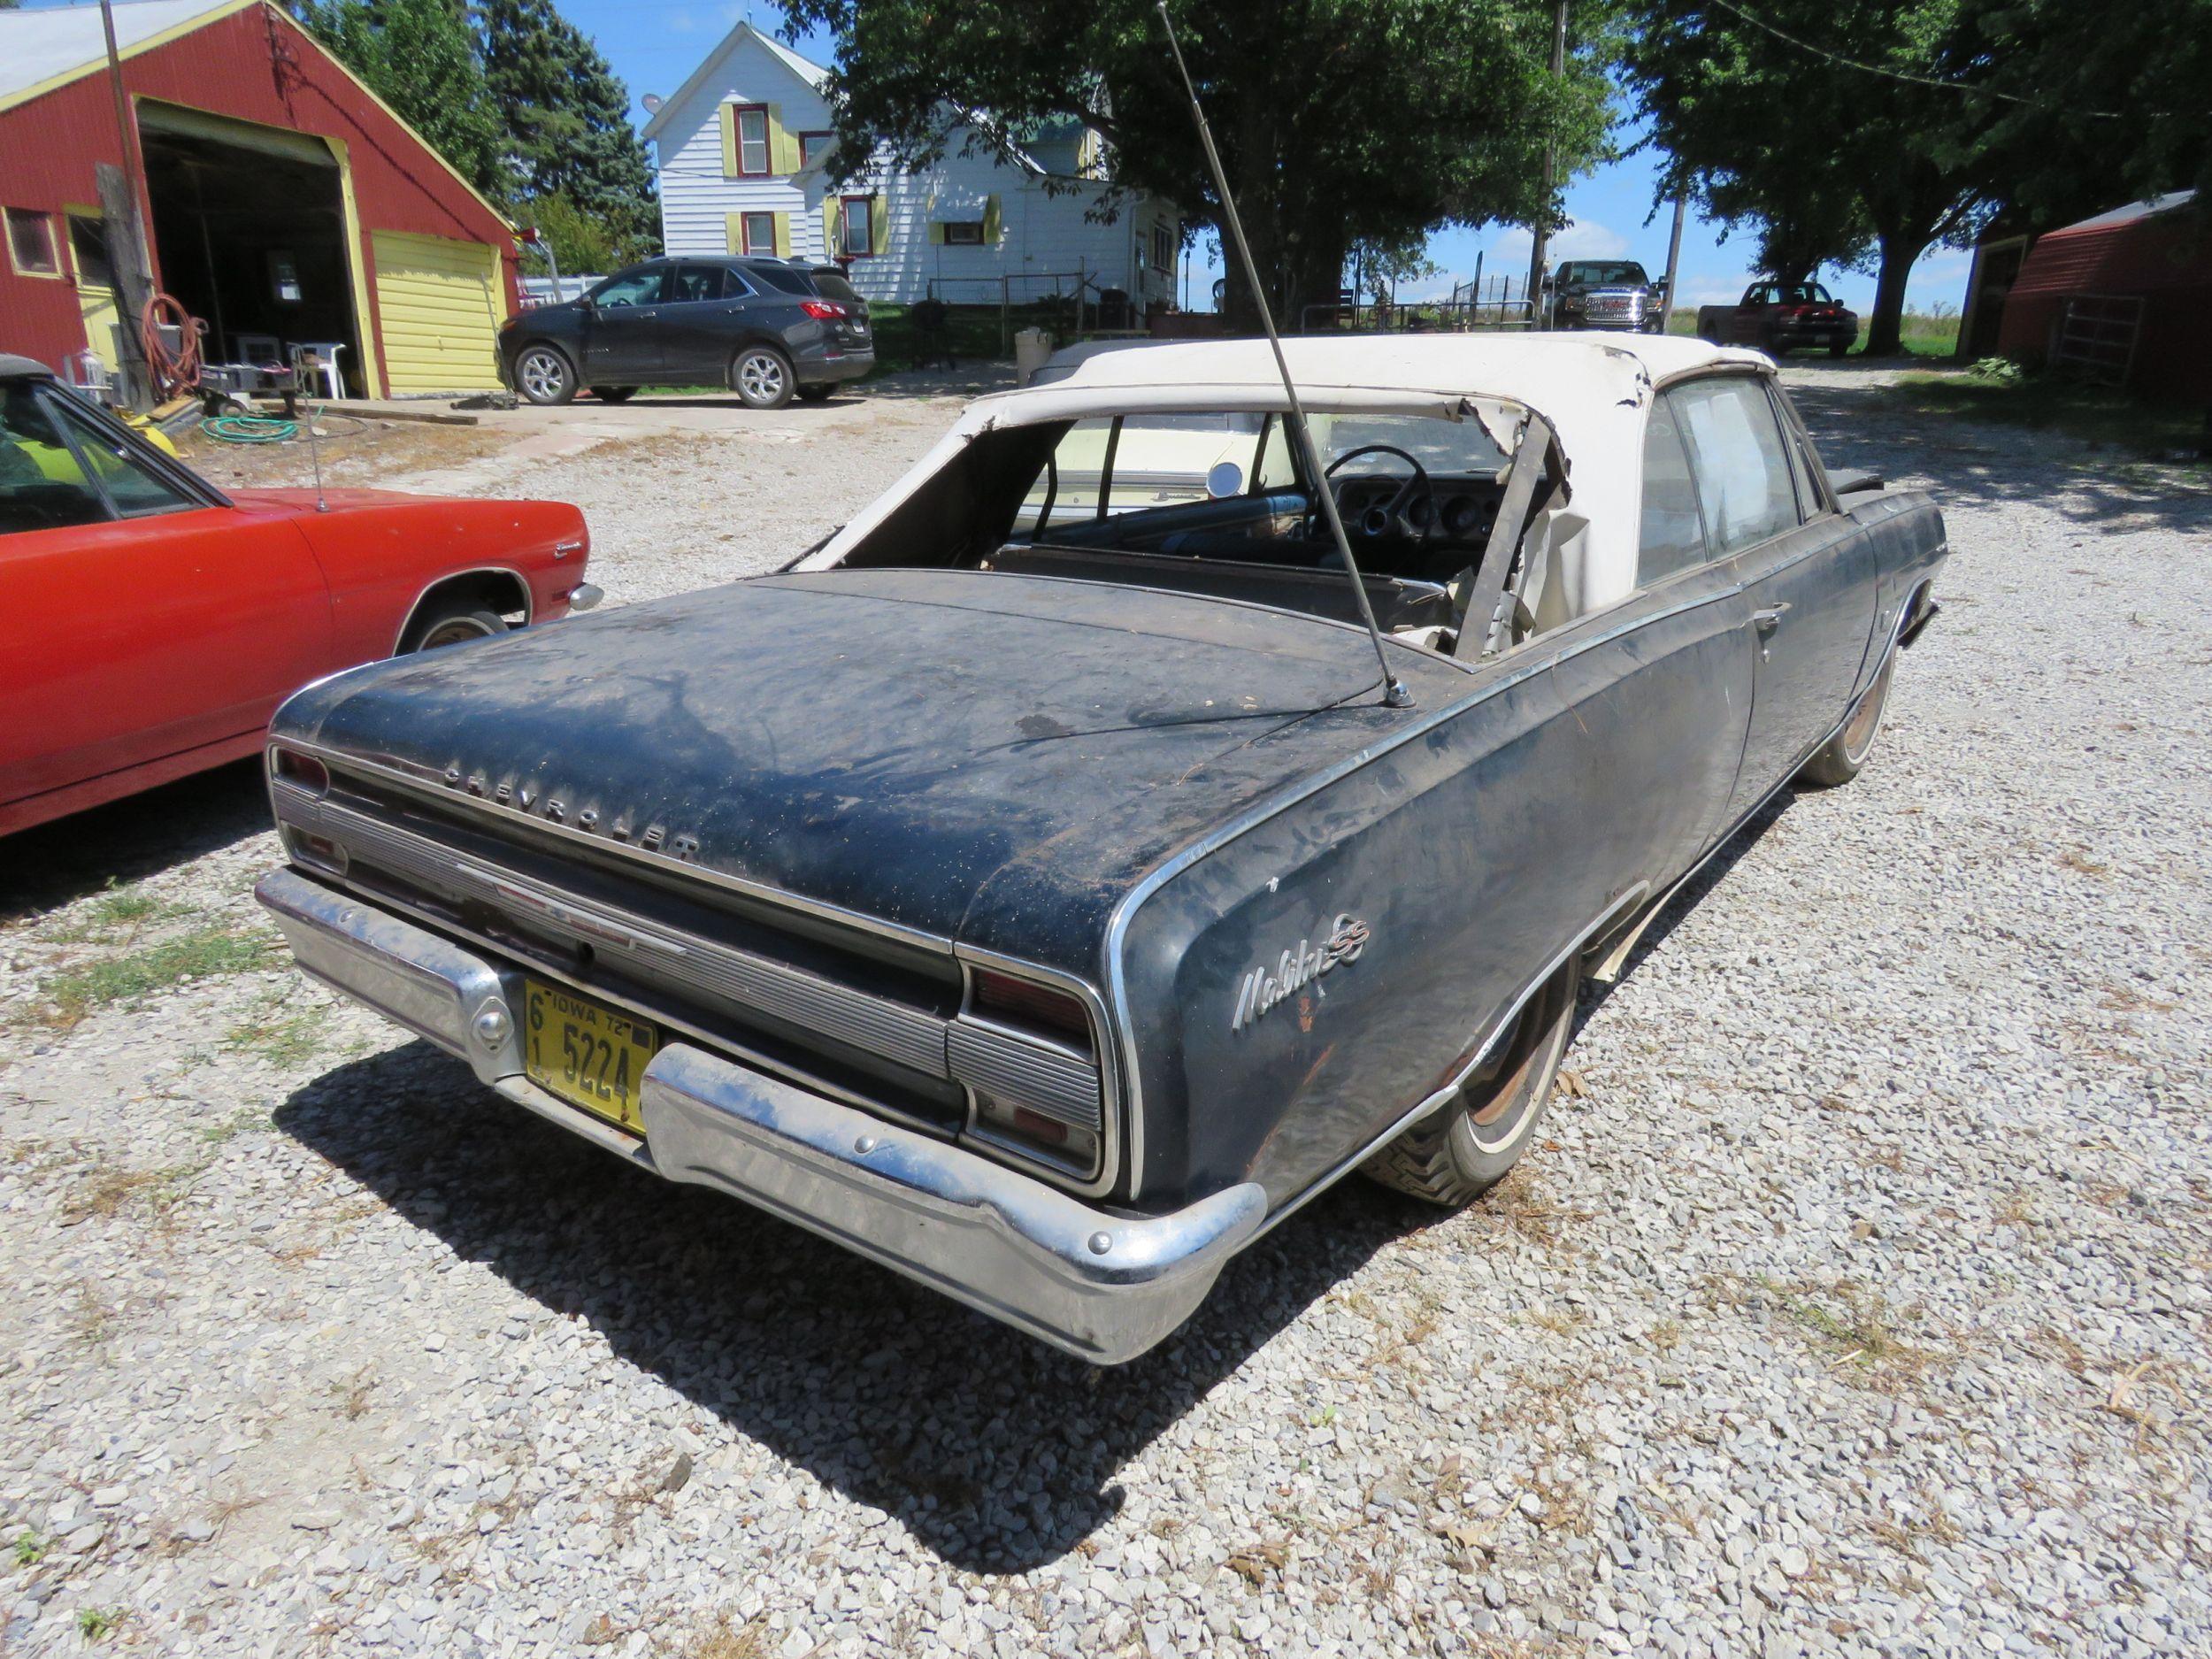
point(1674, 260)
point(1082, 287)
point(127, 254)
point(1005, 319)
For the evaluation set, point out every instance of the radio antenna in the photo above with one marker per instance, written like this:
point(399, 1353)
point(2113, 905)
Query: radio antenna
point(1395, 693)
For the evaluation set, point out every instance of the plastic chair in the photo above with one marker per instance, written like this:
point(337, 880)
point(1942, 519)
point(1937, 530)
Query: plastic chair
point(326, 355)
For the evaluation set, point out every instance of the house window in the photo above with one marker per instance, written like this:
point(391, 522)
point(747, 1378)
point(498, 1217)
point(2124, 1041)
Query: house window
point(759, 233)
point(964, 233)
point(1162, 248)
point(856, 237)
point(752, 141)
point(30, 243)
point(814, 146)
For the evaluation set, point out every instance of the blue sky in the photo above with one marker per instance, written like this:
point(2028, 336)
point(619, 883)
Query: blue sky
point(654, 44)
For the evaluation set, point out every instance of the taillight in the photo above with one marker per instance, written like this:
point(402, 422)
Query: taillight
point(823, 311)
point(302, 771)
point(1025, 1004)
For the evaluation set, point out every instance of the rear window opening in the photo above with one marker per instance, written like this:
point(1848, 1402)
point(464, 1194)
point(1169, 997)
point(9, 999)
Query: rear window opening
point(1217, 502)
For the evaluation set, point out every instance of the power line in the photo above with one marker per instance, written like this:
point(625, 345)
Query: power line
point(1968, 87)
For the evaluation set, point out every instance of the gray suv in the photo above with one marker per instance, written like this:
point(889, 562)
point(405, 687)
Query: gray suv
point(769, 329)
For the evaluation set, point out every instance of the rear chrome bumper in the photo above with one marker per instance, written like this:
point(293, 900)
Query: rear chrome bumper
point(1103, 1286)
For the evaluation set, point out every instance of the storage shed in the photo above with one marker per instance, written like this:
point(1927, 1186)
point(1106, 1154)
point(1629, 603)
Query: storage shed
point(2124, 297)
point(284, 202)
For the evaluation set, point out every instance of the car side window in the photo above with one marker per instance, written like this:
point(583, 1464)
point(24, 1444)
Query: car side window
point(641, 287)
point(1671, 536)
point(133, 487)
point(1736, 455)
point(691, 284)
point(42, 486)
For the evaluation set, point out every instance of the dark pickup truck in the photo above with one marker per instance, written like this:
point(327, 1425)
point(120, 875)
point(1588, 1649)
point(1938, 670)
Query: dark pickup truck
point(1778, 317)
point(1611, 294)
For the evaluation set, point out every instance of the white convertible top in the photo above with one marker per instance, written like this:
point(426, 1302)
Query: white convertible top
point(1592, 387)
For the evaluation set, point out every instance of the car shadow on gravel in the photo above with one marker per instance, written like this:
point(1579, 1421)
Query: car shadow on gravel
point(1000, 1454)
point(128, 840)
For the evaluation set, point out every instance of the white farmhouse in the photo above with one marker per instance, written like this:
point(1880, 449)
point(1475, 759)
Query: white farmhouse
point(742, 148)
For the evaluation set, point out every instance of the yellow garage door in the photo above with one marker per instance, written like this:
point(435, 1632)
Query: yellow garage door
point(439, 304)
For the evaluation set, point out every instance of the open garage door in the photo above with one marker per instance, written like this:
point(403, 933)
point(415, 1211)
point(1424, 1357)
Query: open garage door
point(438, 303)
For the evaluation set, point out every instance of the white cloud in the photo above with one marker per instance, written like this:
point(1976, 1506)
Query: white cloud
point(1578, 238)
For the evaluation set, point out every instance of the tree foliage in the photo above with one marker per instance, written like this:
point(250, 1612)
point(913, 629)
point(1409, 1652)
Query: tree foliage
point(420, 57)
point(569, 141)
point(1341, 122)
point(527, 112)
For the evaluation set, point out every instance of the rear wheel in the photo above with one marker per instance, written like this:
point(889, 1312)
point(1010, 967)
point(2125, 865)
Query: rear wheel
point(453, 622)
point(1836, 348)
point(761, 376)
point(614, 394)
point(1457, 1154)
point(544, 376)
point(1839, 759)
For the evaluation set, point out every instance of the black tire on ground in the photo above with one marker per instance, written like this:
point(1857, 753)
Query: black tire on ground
point(544, 376)
point(1839, 759)
point(452, 622)
point(614, 394)
point(1461, 1151)
point(762, 377)
point(817, 394)
point(1836, 348)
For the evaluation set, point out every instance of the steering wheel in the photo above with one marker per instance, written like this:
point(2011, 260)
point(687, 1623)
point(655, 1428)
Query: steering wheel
point(1376, 521)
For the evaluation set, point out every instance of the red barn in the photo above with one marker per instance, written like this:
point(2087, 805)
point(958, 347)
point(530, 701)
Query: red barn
point(2126, 295)
point(285, 203)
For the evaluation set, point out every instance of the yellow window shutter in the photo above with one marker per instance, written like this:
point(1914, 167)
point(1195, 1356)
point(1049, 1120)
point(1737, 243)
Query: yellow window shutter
point(878, 223)
point(783, 235)
point(729, 142)
point(936, 233)
point(733, 232)
point(783, 148)
point(994, 221)
point(830, 248)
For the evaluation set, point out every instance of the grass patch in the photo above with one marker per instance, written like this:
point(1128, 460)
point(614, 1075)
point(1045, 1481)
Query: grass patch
point(2098, 416)
point(208, 952)
point(97, 1624)
point(119, 914)
point(103, 1195)
point(1922, 333)
point(1860, 1328)
point(291, 1041)
point(29, 1547)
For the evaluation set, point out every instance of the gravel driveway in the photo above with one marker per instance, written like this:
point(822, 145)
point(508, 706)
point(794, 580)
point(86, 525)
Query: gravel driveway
point(1856, 1302)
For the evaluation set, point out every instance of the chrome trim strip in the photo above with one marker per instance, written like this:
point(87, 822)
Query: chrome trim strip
point(1437, 1097)
point(905, 1036)
point(432, 787)
point(1260, 812)
point(1037, 1075)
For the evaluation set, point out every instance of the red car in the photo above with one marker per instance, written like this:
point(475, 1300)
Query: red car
point(150, 624)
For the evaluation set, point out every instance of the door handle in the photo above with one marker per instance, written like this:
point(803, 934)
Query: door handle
point(1769, 617)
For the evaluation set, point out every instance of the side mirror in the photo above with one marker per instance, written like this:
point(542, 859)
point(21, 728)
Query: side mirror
point(1223, 479)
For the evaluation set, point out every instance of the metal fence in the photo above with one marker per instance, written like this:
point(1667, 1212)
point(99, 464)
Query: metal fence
point(1062, 300)
point(1500, 303)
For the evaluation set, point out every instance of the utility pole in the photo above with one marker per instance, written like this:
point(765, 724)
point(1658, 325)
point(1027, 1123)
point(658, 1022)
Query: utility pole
point(1674, 257)
point(1543, 223)
point(126, 243)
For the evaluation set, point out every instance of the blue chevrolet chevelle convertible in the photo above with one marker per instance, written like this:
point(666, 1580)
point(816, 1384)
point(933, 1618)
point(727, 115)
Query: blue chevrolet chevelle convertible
point(1034, 888)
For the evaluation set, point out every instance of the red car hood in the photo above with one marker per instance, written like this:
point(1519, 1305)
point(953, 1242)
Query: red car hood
point(290, 501)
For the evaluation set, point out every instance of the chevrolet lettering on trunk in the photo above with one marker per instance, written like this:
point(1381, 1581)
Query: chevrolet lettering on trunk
point(940, 892)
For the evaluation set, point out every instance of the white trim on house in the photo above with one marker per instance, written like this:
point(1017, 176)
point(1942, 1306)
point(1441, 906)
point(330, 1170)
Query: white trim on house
point(1033, 239)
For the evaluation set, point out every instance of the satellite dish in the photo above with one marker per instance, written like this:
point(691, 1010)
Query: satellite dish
point(652, 103)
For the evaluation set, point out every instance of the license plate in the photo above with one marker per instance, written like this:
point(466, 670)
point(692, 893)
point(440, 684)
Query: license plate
point(589, 1054)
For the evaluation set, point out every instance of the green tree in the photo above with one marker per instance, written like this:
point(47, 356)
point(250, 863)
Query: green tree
point(2098, 105)
point(568, 132)
point(1339, 121)
point(1764, 122)
point(579, 241)
point(420, 57)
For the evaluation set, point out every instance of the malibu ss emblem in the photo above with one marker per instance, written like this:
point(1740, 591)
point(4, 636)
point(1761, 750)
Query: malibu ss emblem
point(1263, 987)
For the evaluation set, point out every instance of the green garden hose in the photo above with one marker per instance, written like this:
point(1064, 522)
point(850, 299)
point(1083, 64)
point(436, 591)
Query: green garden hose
point(276, 429)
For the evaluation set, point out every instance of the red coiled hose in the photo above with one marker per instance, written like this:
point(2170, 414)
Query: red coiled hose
point(175, 373)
